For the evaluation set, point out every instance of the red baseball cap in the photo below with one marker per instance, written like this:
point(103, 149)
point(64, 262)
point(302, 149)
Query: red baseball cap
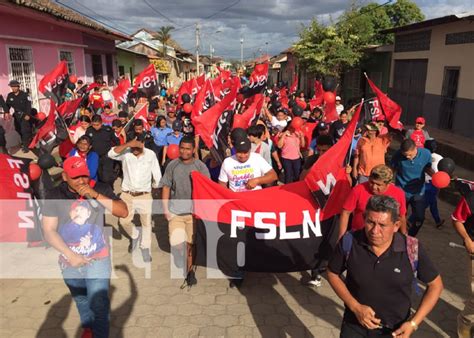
point(380, 118)
point(76, 166)
point(420, 120)
point(151, 116)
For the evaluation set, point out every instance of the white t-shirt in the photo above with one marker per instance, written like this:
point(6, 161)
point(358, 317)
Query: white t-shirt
point(280, 124)
point(435, 158)
point(237, 174)
point(339, 108)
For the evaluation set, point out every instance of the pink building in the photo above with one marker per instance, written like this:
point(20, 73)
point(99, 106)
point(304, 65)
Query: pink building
point(36, 35)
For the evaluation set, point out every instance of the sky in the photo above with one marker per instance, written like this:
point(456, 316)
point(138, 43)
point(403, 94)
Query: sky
point(266, 26)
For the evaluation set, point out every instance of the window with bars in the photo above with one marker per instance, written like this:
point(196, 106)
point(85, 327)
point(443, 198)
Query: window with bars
point(65, 55)
point(412, 42)
point(460, 38)
point(21, 68)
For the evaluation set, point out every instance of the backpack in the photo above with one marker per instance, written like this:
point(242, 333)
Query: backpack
point(412, 252)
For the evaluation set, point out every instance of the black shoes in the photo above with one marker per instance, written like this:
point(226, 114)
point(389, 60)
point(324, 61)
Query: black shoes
point(133, 244)
point(191, 278)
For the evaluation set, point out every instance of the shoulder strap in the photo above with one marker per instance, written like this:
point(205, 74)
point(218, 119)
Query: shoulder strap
point(347, 244)
point(412, 251)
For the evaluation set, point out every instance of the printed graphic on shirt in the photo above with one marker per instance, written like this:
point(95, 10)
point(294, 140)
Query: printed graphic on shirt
point(82, 236)
point(240, 175)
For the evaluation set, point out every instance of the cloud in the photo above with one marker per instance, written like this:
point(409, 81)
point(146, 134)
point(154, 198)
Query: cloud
point(265, 25)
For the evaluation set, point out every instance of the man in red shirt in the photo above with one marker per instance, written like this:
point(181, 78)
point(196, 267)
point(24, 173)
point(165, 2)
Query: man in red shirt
point(379, 183)
point(463, 221)
point(96, 101)
point(418, 135)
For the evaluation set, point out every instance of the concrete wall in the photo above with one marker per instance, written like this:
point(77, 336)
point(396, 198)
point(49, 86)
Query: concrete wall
point(440, 56)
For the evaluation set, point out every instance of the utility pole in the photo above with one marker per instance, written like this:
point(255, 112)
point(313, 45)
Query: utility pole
point(210, 52)
point(242, 53)
point(198, 27)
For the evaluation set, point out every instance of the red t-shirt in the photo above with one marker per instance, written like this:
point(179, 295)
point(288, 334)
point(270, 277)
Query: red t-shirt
point(359, 196)
point(418, 136)
point(462, 212)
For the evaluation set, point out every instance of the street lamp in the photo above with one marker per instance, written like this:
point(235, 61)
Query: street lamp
point(242, 52)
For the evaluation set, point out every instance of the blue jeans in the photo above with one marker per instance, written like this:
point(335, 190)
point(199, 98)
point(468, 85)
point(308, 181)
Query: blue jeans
point(431, 200)
point(417, 217)
point(292, 169)
point(89, 286)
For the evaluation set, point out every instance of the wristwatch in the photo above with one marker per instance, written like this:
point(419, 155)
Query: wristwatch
point(414, 325)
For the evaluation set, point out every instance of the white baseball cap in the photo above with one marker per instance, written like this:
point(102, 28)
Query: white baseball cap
point(338, 98)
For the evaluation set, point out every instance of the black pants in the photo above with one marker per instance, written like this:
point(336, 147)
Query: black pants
point(292, 169)
point(23, 127)
point(417, 203)
point(349, 330)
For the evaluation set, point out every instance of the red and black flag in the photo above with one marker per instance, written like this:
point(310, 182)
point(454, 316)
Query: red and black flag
point(146, 83)
point(205, 124)
point(68, 109)
point(258, 80)
point(122, 90)
point(327, 178)
point(390, 108)
point(220, 142)
point(204, 100)
point(19, 211)
point(252, 113)
point(47, 132)
point(54, 84)
point(256, 230)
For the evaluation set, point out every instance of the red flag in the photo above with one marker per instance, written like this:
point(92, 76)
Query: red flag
point(258, 80)
point(184, 89)
point(48, 128)
point(330, 112)
point(198, 106)
point(252, 113)
point(142, 114)
point(225, 74)
point(317, 99)
point(194, 87)
point(325, 179)
point(308, 129)
point(92, 86)
point(120, 92)
point(200, 80)
point(284, 97)
point(390, 108)
point(294, 86)
point(68, 108)
point(217, 87)
point(206, 123)
point(53, 84)
point(147, 82)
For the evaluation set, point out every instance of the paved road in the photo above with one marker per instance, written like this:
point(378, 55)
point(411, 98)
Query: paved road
point(268, 305)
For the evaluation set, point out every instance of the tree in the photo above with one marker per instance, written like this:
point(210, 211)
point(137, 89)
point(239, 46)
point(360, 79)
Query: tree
point(164, 36)
point(331, 49)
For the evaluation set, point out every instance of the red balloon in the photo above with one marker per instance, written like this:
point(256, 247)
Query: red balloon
point(72, 78)
point(41, 116)
point(239, 122)
point(35, 171)
point(440, 179)
point(329, 97)
point(173, 151)
point(297, 123)
point(240, 98)
point(301, 103)
point(187, 108)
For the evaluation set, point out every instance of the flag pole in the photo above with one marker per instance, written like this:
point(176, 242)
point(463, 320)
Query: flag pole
point(133, 117)
point(351, 148)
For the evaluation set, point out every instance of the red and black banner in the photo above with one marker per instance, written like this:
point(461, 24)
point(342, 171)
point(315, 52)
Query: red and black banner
point(68, 109)
point(204, 100)
point(19, 210)
point(258, 80)
point(390, 108)
point(146, 83)
point(47, 132)
point(54, 84)
point(257, 230)
point(122, 90)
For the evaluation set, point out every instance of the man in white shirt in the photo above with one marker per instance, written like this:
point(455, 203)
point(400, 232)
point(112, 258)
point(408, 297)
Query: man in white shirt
point(141, 172)
point(339, 105)
point(245, 170)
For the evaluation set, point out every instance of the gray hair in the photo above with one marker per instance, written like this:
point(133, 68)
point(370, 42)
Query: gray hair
point(381, 203)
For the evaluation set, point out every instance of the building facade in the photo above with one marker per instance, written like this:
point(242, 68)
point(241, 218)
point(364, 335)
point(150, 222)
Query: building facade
point(36, 35)
point(432, 72)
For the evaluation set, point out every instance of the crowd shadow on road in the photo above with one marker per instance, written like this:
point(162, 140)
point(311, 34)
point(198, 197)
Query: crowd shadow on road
point(61, 307)
point(118, 317)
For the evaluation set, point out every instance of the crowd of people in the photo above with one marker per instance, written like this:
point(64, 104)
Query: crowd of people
point(376, 232)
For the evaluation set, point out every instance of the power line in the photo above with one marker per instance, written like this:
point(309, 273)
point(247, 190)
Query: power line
point(158, 12)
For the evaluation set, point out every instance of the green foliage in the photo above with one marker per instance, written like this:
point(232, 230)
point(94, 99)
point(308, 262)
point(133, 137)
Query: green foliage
point(330, 49)
point(164, 36)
